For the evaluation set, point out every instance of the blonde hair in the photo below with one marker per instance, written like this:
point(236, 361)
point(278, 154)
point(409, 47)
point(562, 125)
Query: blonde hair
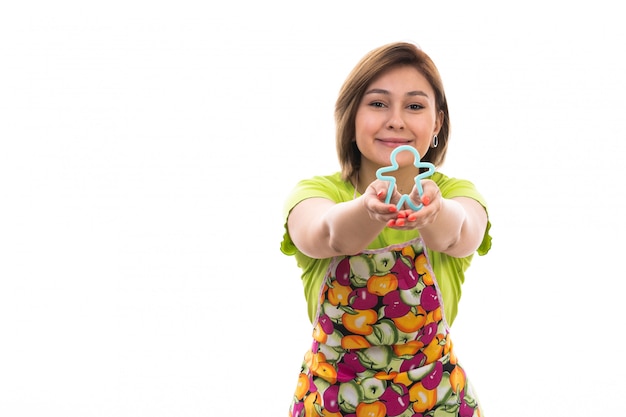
point(369, 68)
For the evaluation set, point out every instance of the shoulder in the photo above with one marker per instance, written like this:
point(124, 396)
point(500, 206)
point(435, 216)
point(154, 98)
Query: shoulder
point(321, 181)
point(331, 187)
point(457, 187)
point(324, 186)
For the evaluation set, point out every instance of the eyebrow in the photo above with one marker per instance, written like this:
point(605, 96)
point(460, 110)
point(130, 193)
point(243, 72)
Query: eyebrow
point(410, 93)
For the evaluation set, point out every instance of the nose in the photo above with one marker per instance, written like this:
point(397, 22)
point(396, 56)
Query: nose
point(395, 119)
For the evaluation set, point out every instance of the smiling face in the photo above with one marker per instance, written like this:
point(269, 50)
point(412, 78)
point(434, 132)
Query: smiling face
point(398, 108)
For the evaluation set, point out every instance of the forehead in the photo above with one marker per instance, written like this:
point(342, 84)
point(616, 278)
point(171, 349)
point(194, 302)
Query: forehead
point(403, 77)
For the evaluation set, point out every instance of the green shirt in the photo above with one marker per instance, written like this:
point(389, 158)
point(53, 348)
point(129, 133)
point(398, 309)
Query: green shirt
point(449, 271)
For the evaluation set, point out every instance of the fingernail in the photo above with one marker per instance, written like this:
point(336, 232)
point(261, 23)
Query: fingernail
point(393, 209)
point(412, 217)
point(400, 222)
point(426, 200)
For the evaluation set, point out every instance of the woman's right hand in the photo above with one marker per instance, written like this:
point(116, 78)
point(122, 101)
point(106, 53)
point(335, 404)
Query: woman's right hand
point(374, 201)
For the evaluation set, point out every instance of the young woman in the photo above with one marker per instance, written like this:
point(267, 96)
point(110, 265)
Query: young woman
point(383, 280)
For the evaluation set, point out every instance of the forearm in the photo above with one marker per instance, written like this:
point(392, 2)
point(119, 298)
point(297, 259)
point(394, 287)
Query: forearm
point(350, 227)
point(450, 232)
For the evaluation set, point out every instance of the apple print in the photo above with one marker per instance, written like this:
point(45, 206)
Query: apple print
point(432, 379)
point(384, 261)
point(376, 357)
point(396, 398)
point(361, 266)
point(374, 409)
point(429, 298)
point(374, 345)
point(384, 333)
point(334, 339)
point(465, 410)
point(361, 299)
point(345, 372)
point(394, 306)
point(349, 396)
point(444, 390)
point(382, 284)
point(312, 402)
point(457, 379)
point(298, 409)
point(412, 296)
point(326, 324)
point(416, 362)
point(351, 359)
point(338, 294)
point(313, 383)
point(332, 355)
point(358, 282)
point(407, 276)
point(373, 388)
point(319, 384)
point(342, 272)
point(359, 321)
point(333, 312)
point(404, 337)
point(427, 333)
point(327, 371)
point(330, 399)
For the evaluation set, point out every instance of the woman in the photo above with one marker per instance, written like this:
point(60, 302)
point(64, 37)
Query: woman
point(382, 280)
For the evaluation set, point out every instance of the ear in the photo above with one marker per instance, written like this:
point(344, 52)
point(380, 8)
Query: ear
point(438, 122)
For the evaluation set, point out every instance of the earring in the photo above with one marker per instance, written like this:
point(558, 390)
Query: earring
point(435, 142)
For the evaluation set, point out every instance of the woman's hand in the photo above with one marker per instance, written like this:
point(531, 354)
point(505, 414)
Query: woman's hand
point(374, 202)
point(408, 218)
point(454, 226)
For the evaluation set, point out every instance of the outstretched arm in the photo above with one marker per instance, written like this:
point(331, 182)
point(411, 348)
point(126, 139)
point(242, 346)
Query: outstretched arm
point(321, 228)
point(454, 226)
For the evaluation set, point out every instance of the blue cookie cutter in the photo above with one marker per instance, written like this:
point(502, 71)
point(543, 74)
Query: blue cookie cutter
point(430, 169)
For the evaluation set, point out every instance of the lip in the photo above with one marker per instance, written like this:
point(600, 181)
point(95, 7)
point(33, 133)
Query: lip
point(394, 142)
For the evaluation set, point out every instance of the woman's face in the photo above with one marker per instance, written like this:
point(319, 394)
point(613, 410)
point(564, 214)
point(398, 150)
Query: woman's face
point(398, 108)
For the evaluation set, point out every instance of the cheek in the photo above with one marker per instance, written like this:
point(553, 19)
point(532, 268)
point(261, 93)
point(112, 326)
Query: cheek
point(365, 125)
point(423, 147)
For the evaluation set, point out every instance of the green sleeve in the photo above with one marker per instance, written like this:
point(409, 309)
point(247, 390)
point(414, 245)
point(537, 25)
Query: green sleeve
point(330, 187)
point(453, 187)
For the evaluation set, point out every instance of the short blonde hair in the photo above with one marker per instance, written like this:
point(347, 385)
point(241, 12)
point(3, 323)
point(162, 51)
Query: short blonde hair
point(369, 68)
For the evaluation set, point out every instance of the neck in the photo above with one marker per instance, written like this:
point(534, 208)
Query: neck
point(405, 180)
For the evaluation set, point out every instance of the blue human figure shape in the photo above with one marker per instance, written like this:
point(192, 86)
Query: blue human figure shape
point(430, 169)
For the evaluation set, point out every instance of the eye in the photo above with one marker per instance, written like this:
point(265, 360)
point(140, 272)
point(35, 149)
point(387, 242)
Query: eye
point(415, 106)
point(377, 104)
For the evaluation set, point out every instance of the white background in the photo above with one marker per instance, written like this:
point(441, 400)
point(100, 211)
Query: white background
point(147, 148)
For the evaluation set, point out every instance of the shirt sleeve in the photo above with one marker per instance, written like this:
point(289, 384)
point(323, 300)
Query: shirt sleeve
point(320, 186)
point(453, 187)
